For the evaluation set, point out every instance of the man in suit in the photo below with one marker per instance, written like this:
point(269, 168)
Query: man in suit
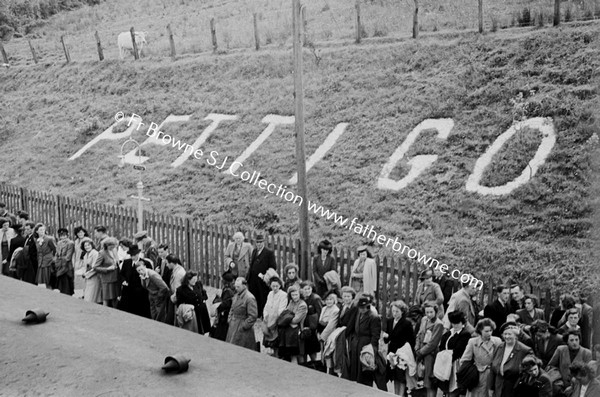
point(100, 233)
point(461, 301)
point(585, 385)
point(238, 255)
point(16, 242)
point(499, 309)
point(242, 316)
point(546, 341)
point(446, 285)
point(134, 298)
point(63, 262)
point(564, 356)
point(28, 271)
point(161, 263)
point(262, 260)
point(518, 298)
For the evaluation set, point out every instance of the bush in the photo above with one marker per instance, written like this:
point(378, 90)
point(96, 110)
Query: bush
point(568, 14)
point(525, 18)
point(6, 32)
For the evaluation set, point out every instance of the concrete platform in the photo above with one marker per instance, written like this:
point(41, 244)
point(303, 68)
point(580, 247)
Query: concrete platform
point(85, 349)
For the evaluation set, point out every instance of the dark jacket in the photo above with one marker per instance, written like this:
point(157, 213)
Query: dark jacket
point(29, 265)
point(319, 268)
point(364, 330)
point(528, 386)
point(496, 312)
point(196, 296)
point(503, 385)
point(134, 297)
point(562, 360)
point(260, 263)
point(545, 354)
point(402, 333)
point(526, 317)
point(457, 343)
point(447, 286)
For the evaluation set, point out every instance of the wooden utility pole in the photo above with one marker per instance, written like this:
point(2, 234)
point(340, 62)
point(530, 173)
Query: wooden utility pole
point(358, 32)
point(304, 24)
point(65, 49)
point(556, 12)
point(416, 20)
point(299, 132)
point(480, 15)
point(136, 54)
point(4, 56)
point(171, 41)
point(213, 34)
point(35, 58)
point(256, 37)
point(99, 45)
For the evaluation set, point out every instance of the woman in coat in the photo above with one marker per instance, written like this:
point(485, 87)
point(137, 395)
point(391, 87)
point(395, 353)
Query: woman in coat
point(223, 303)
point(6, 234)
point(92, 292)
point(427, 291)
point(289, 342)
point(46, 249)
point(158, 291)
point(107, 265)
point(238, 255)
point(322, 264)
point(311, 345)
point(191, 292)
point(78, 267)
point(363, 276)
point(481, 351)
point(365, 330)
point(399, 331)
point(427, 343)
point(456, 340)
point(533, 380)
point(328, 320)
point(506, 364)
point(290, 275)
point(277, 301)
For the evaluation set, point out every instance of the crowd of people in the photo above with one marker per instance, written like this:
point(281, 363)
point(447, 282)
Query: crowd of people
point(441, 340)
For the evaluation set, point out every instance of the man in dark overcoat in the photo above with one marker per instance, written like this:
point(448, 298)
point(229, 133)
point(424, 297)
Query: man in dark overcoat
point(365, 329)
point(28, 271)
point(262, 259)
point(134, 297)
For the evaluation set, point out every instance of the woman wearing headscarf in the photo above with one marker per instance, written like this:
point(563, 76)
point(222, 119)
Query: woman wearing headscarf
point(289, 342)
point(290, 276)
point(158, 291)
point(322, 263)
point(277, 301)
point(92, 292)
point(456, 339)
point(107, 265)
point(46, 249)
point(191, 292)
point(314, 305)
point(430, 333)
point(363, 276)
point(399, 331)
point(481, 351)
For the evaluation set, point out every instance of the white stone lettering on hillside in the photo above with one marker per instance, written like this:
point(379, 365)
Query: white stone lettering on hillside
point(418, 163)
point(545, 126)
point(133, 158)
point(273, 120)
point(216, 119)
point(322, 150)
point(109, 136)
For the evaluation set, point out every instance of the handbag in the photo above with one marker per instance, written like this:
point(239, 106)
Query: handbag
point(285, 318)
point(442, 368)
point(304, 333)
point(467, 375)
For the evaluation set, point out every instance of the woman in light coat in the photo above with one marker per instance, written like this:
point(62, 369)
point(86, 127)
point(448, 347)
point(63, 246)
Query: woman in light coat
point(481, 351)
point(78, 266)
point(92, 292)
point(107, 265)
point(289, 342)
point(328, 321)
point(277, 301)
point(363, 276)
point(427, 344)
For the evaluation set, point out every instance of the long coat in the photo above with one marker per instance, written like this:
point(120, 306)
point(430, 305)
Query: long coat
point(497, 312)
point(482, 354)
point(195, 296)
point(364, 330)
point(428, 350)
point(64, 266)
point(30, 266)
point(134, 298)
point(45, 258)
point(241, 260)
point(260, 263)
point(221, 327)
point(319, 268)
point(562, 360)
point(242, 317)
point(158, 294)
point(503, 385)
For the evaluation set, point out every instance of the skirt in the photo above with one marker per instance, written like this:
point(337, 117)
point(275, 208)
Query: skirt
point(110, 291)
point(44, 275)
point(93, 290)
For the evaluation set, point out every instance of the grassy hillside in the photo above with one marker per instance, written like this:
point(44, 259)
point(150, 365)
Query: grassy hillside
point(539, 232)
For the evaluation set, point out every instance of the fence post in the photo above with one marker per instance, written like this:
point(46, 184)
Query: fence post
point(67, 56)
point(256, 37)
point(35, 58)
point(60, 207)
point(99, 45)
point(213, 34)
point(480, 15)
point(416, 20)
point(556, 12)
point(171, 41)
point(22, 193)
point(4, 56)
point(136, 54)
point(357, 6)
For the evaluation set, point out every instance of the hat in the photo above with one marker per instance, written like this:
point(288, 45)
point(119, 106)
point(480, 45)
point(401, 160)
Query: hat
point(423, 274)
point(326, 245)
point(228, 276)
point(361, 248)
point(260, 238)
point(290, 266)
point(177, 363)
point(506, 325)
point(141, 234)
point(133, 250)
point(364, 301)
point(35, 316)
point(269, 274)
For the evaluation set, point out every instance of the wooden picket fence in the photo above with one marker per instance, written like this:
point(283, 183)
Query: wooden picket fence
point(201, 246)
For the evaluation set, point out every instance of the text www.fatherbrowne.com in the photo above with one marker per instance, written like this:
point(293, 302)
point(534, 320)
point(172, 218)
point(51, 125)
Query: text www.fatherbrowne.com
point(253, 178)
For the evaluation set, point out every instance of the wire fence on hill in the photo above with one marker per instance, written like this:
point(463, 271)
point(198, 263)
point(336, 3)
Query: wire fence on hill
point(221, 29)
